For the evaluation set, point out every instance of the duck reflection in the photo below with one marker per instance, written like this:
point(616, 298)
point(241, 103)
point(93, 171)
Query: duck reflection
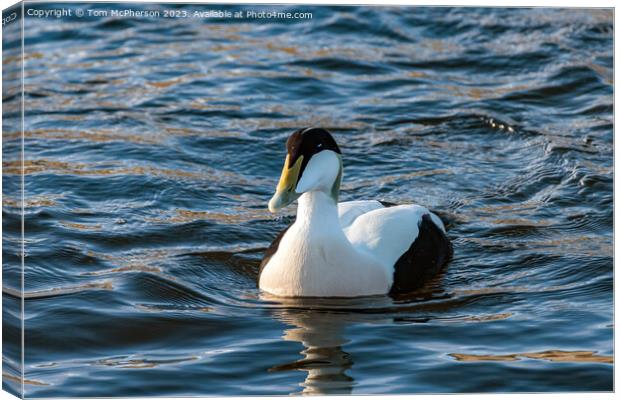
point(320, 326)
point(324, 360)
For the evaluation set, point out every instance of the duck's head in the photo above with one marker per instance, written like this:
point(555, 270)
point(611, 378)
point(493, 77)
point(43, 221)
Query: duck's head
point(313, 163)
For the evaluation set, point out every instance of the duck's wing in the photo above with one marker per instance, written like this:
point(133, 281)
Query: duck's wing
point(408, 238)
point(348, 211)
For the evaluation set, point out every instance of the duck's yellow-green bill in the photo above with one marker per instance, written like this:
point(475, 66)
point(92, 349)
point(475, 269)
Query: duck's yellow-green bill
point(285, 192)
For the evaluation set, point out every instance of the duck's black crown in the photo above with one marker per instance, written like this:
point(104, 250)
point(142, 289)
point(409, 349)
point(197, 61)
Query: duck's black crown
point(307, 142)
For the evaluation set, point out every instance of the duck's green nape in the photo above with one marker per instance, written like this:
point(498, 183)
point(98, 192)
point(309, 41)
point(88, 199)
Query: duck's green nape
point(336, 187)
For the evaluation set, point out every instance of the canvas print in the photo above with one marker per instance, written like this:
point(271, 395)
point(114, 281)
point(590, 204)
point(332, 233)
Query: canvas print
point(262, 199)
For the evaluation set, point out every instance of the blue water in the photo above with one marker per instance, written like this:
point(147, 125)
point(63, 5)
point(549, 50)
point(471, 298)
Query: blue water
point(152, 146)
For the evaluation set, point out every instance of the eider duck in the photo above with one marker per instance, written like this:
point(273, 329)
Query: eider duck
point(348, 249)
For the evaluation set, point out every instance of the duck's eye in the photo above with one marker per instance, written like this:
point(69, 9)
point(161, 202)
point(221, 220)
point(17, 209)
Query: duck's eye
point(318, 146)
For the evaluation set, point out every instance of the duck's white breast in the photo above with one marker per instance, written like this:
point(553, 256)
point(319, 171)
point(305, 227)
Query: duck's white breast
point(309, 265)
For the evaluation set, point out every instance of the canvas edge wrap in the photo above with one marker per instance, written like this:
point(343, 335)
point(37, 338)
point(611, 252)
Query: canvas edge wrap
point(13, 201)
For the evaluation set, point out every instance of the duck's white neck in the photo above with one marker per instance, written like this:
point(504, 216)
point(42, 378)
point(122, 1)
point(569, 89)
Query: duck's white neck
point(318, 209)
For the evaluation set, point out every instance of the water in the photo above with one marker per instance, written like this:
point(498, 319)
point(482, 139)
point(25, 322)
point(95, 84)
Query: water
point(153, 146)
